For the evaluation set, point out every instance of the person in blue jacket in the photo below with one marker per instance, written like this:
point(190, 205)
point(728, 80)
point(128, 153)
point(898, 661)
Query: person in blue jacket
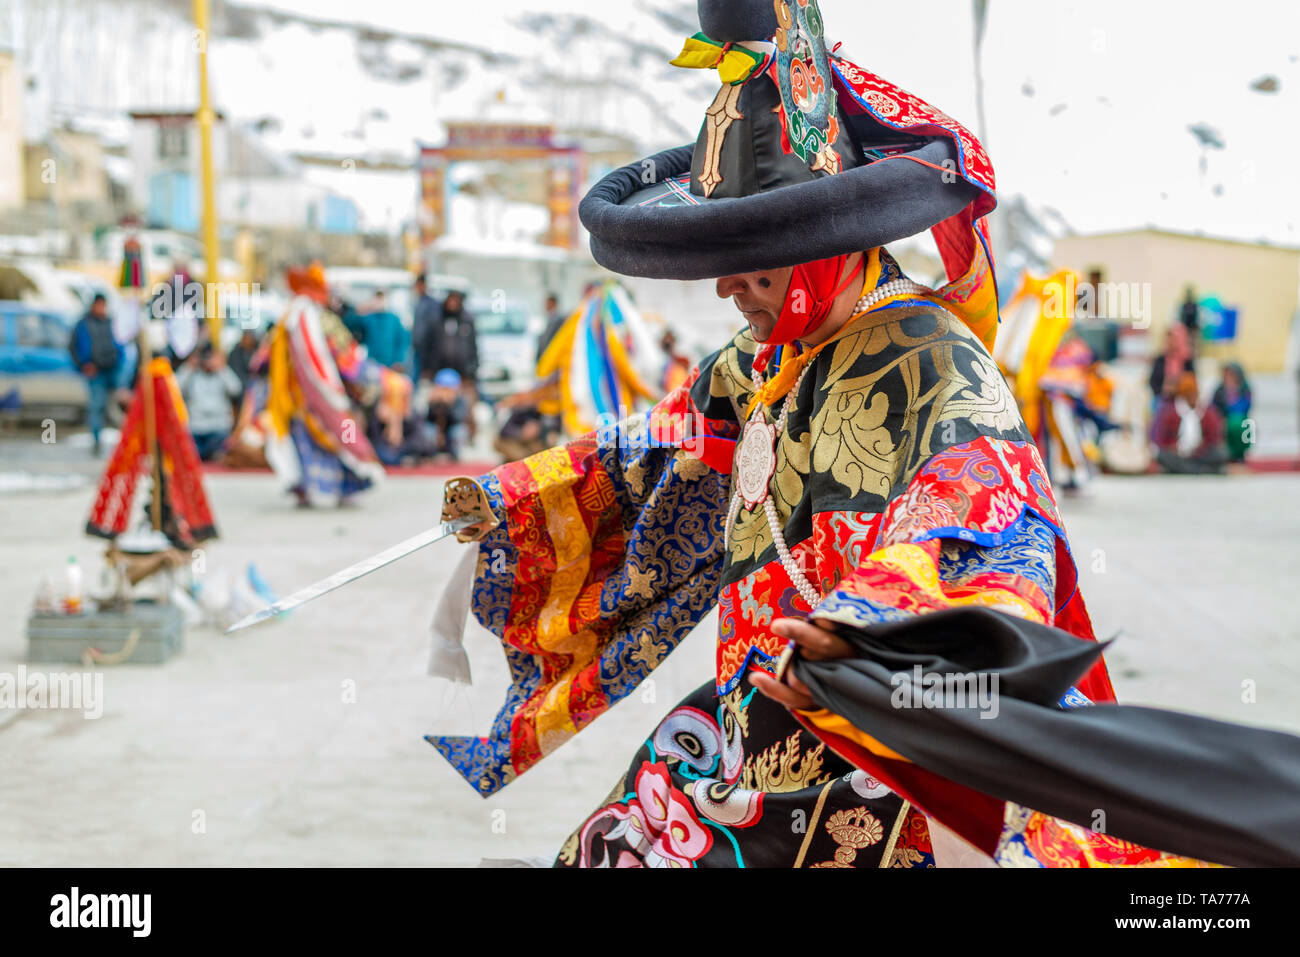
point(385, 338)
point(99, 357)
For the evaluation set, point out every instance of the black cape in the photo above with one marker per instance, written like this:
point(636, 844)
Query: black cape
point(1193, 786)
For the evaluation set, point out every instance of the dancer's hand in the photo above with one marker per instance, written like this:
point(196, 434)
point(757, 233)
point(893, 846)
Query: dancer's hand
point(816, 643)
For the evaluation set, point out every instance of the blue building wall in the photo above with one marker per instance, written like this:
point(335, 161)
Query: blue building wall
point(340, 215)
point(173, 201)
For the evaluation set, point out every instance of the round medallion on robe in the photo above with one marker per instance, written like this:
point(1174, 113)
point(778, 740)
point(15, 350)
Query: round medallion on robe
point(756, 462)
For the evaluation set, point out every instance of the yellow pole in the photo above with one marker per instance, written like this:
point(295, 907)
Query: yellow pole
point(205, 117)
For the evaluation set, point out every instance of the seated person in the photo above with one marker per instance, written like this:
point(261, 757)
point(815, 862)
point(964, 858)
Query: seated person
point(208, 387)
point(1188, 440)
point(527, 428)
point(442, 414)
point(1232, 398)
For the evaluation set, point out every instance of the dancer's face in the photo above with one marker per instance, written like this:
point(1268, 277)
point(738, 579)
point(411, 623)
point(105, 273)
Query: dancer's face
point(759, 296)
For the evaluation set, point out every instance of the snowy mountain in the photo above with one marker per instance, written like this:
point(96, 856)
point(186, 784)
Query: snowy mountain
point(358, 90)
point(360, 94)
point(1089, 106)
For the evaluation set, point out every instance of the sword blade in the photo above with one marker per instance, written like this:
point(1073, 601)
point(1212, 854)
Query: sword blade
point(353, 572)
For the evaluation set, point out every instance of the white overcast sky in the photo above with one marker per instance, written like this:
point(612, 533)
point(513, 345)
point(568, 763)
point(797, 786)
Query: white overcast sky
point(1131, 76)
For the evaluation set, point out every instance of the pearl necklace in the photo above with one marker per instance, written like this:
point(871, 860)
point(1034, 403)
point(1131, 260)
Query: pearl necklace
point(895, 287)
point(756, 456)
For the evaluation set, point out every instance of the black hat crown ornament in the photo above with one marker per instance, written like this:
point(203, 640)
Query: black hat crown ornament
point(802, 155)
point(763, 135)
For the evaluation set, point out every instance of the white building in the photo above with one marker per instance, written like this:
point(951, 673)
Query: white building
point(254, 187)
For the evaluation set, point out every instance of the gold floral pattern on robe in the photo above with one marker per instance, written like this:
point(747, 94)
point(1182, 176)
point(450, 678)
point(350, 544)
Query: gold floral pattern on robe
point(893, 390)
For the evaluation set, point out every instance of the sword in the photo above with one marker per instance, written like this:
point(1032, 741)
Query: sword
point(465, 506)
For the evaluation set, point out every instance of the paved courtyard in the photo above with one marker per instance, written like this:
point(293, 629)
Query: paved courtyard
point(252, 736)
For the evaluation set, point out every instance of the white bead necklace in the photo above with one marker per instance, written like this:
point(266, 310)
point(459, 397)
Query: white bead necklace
point(755, 461)
point(895, 287)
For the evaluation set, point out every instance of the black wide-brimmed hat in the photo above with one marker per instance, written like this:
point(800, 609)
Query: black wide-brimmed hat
point(802, 156)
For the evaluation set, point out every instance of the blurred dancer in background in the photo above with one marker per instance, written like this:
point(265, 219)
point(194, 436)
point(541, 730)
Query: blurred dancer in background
point(316, 441)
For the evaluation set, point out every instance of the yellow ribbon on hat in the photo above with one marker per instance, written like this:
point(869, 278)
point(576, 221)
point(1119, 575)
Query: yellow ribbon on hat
point(735, 64)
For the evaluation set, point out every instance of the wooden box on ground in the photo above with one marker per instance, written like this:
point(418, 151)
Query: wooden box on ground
point(65, 638)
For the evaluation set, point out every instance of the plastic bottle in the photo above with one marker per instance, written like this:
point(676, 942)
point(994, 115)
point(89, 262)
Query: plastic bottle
point(44, 604)
point(72, 597)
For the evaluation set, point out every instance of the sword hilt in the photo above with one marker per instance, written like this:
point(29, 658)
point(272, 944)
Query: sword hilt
point(464, 498)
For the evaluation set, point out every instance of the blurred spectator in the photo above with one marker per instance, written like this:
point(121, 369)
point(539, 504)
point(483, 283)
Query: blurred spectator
point(208, 386)
point(385, 338)
point(241, 356)
point(448, 412)
point(100, 358)
point(527, 430)
point(424, 317)
point(554, 319)
point(677, 366)
point(389, 448)
point(452, 342)
point(186, 305)
point(391, 421)
point(1232, 398)
point(1177, 360)
point(353, 321)
point(521, 435)
point(1188, 440)
point(1189, 314)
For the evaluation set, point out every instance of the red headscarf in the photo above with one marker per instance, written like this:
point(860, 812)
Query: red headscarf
point(813, 289)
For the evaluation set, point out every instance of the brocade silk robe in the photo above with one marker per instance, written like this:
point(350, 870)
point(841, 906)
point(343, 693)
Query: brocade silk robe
point(905, 483)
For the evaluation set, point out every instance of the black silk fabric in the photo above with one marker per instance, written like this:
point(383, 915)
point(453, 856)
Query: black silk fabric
point(751, 159)
point(1190, 785)
point(857, 209)
point(735, 20)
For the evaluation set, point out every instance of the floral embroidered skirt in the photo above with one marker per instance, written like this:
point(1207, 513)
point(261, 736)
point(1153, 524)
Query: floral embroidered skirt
point(734, 781)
